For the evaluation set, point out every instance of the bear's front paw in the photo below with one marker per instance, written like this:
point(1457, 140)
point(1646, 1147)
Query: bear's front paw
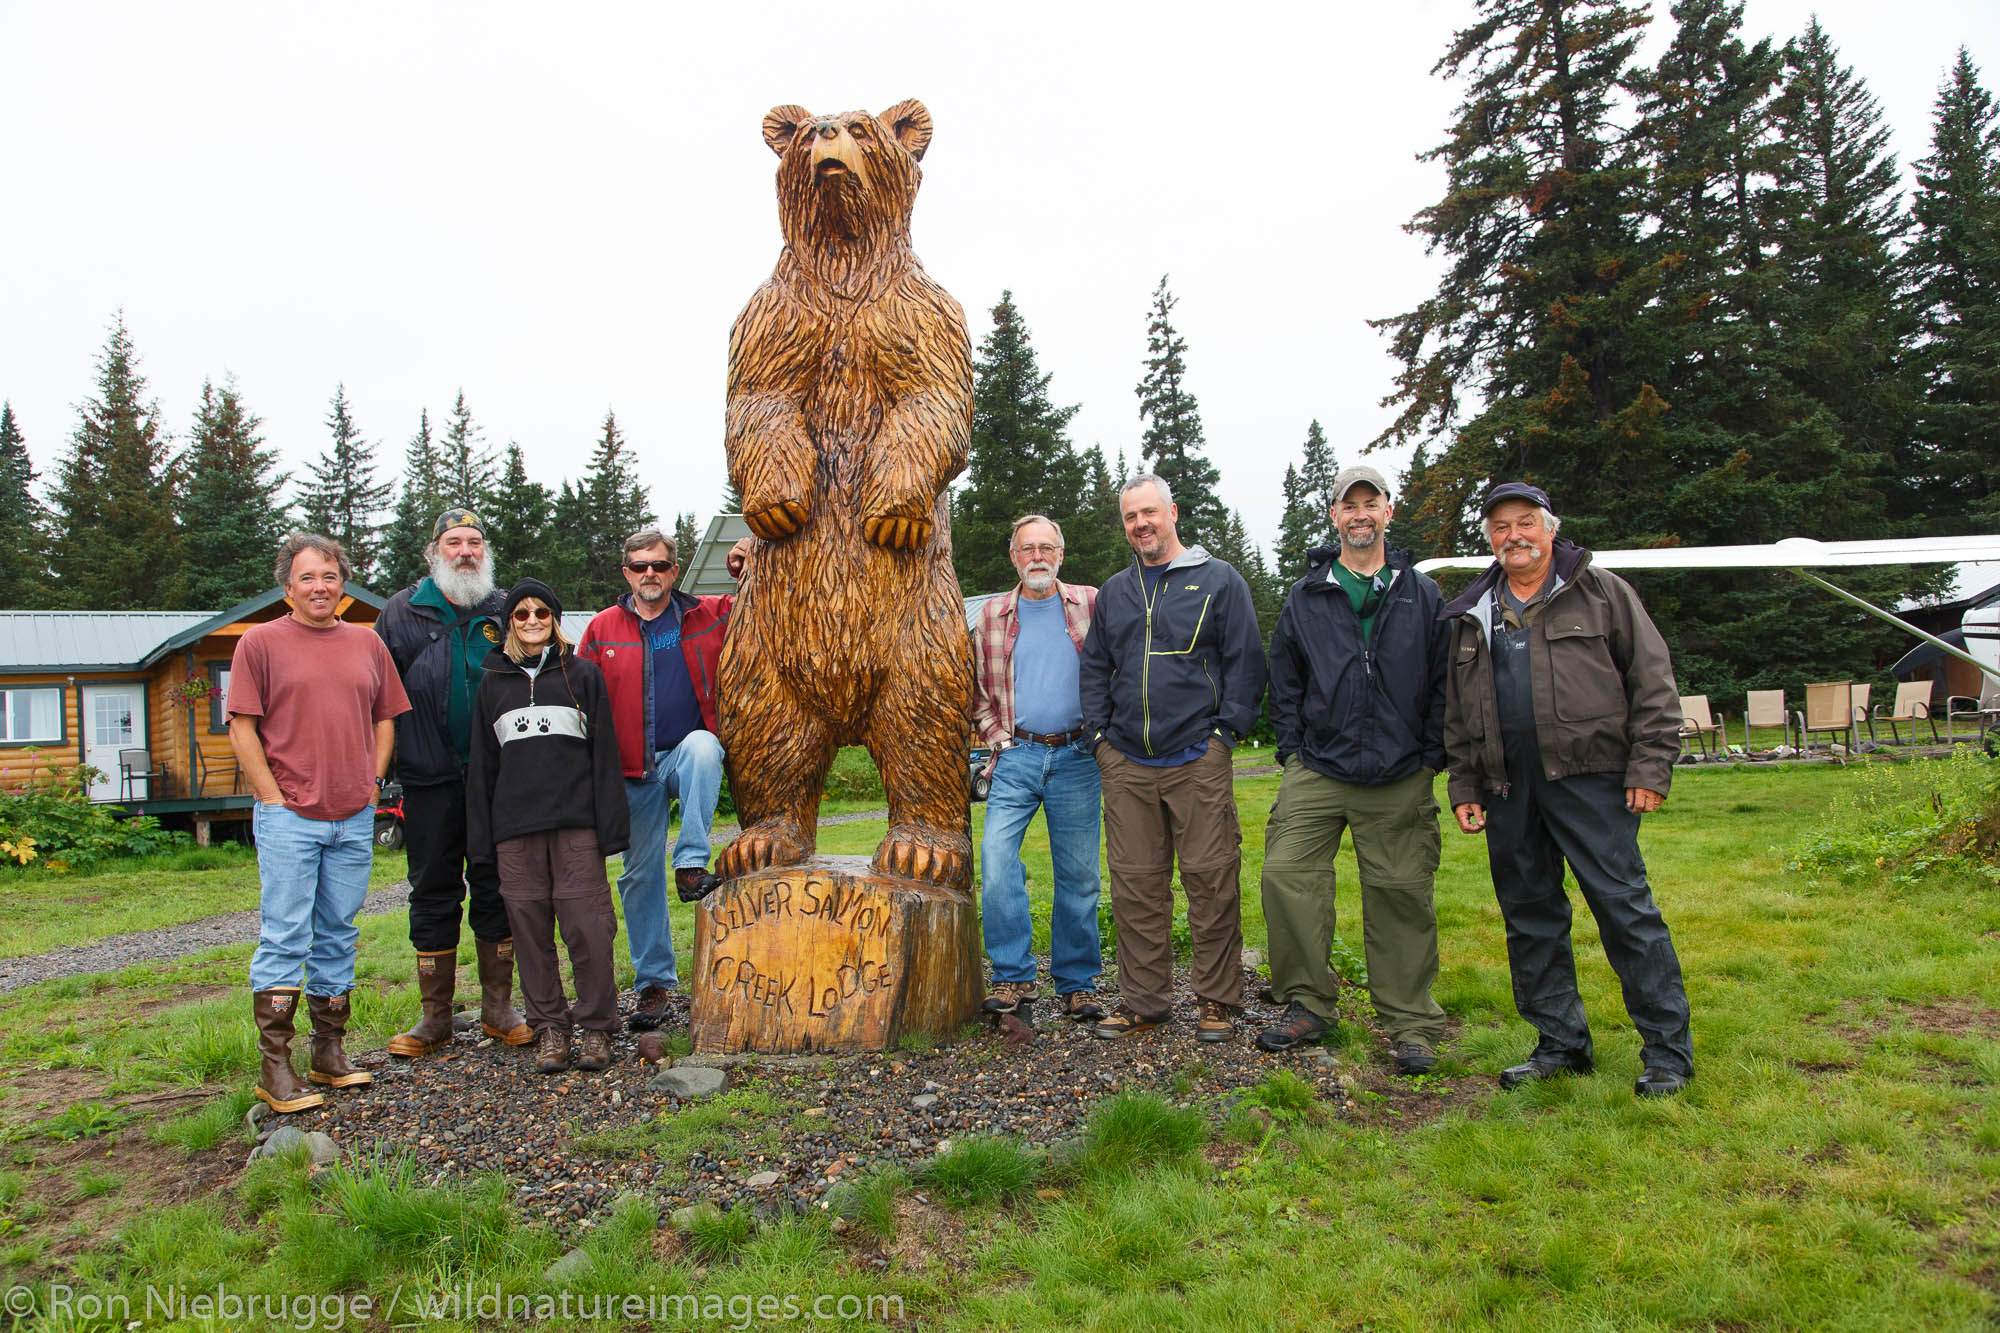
point(777, 521)
point(896, 533)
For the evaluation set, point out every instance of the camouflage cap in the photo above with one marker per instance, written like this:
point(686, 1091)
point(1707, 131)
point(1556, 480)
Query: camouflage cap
point(457, 517)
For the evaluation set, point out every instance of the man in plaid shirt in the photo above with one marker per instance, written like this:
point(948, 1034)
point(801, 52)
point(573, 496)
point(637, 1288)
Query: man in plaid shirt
point(1027, 707)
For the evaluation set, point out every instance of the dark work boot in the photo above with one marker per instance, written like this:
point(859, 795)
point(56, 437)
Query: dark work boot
point(437, 977)
point(1545, 1065)
point(277, 1086)
point(497, 1015)
point(329, 1050)
point(693, 883)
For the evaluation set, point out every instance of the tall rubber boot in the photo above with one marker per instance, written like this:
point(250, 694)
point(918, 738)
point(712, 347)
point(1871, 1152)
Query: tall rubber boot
point(497, 1016)
point(437, 977)
point(277, 1086)
point(329, 1050)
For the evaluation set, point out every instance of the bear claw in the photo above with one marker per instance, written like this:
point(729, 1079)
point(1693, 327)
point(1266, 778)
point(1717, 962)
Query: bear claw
point(905, 534)
point(756, 848)
point(779, 520)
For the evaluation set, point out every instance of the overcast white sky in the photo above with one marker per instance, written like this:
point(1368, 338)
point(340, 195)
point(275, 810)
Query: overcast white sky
point(561, 209)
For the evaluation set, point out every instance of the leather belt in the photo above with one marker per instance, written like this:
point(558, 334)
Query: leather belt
point(1056, 738)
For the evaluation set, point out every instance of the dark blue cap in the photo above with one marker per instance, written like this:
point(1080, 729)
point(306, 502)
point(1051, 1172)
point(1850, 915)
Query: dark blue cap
point(1515, 490)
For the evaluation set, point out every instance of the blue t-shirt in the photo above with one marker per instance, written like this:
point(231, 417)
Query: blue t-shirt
point(1151, 577)
point(676, 711)
point(1046, 698)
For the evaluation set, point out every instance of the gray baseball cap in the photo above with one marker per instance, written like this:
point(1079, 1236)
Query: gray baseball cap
point(1354, 476)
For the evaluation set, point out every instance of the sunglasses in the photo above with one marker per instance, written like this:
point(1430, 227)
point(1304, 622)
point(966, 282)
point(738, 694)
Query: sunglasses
point(655, 566)
point(532, 613)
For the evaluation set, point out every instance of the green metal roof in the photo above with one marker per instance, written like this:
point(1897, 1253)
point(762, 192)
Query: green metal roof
point(46, 641)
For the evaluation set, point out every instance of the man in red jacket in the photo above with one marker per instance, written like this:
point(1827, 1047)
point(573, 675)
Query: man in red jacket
point(657, 649)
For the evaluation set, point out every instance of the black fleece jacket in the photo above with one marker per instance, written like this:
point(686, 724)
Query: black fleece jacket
point(1360, 712)
point(544, 756)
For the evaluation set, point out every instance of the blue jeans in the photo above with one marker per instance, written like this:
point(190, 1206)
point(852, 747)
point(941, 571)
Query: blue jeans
point(314, 877)
point(692, 773)
point(1063, 780)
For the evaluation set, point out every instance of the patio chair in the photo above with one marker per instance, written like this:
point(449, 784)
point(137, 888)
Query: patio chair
point(1698, 726)
point(1765, 708)
point(206, 768)
point(137, 766)
point(1913, 705)
point(1861, 717)
point(1829, 707)
point(1983, 711)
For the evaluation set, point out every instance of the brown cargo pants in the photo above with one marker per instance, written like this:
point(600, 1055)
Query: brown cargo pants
point(1152, 815)
point(556, 878)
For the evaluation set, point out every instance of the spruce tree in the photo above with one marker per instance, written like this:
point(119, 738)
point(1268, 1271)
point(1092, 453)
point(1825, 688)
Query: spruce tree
point(465, 465)
point(1173, 445)
point(1093, 537)
point(1424, 524)
point(421, 500)
point(687, 536)
point(1020, 460)
point(1233, 546)
point(24, 537)
point(617, 506)
point(342, 496)
point(231, 517)
point(564, 554)
point(1308, 492)
point(1529, 320)
point(1954, 265)
point(517, 521)
point(115, 544)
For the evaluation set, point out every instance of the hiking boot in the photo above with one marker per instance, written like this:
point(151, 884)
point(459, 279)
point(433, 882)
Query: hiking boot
point(693, 883)
point(1124, 1022)
point(593, 1051)
point(1297, 1026)
point(277, 1086)
point(1216, 1021)
point(329, 1051)
point(1658, 1082)
point(650, 1011)
point(1414, 1058)
point(1009, 996)
point(1545, 1065)
point(1079, 1006)
point(552, 1050)
point(497, 1016)
point(437, 977)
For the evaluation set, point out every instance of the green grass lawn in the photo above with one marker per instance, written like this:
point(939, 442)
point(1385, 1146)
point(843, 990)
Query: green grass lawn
point(1836, 1163)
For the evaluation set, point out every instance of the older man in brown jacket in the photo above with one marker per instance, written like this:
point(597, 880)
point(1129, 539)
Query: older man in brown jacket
point(1561, 728)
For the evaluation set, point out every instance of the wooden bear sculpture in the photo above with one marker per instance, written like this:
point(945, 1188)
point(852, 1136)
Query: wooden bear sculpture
point(850, 409)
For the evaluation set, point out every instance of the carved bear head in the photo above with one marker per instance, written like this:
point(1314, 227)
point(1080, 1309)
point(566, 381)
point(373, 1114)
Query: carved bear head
point(846, 183)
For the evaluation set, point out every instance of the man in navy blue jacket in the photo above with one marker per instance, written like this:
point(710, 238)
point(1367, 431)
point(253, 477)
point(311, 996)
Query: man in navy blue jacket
point(1357, 695)
point(1171, 677)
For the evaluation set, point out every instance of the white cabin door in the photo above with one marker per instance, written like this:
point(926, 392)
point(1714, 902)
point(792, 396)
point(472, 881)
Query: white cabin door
point(114, 719)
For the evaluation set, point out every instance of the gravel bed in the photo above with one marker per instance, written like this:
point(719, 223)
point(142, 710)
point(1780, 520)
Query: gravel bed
point(478, 1107)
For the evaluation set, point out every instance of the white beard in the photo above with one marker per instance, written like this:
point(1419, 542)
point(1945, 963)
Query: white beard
point(1038, 582)
point(463, 587)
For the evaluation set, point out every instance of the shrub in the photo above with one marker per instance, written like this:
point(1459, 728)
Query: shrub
point(1906, 818)
point(52, 822)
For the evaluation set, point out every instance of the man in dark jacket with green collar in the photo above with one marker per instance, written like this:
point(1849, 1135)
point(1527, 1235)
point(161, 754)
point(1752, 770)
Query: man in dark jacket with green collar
point(1171, 676)
point(1357, 696)
point(439, 632)
point(1562, 724)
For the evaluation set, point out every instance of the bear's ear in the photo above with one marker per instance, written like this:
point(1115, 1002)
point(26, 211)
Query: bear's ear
point(781, 125)
point(911, 124)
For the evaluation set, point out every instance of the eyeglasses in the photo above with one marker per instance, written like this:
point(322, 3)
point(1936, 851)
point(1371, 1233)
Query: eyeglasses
point(1041, 550)
point(644, 566)
point(531, 613)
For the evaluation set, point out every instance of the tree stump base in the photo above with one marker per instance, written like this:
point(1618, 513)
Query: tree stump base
point(832, 955)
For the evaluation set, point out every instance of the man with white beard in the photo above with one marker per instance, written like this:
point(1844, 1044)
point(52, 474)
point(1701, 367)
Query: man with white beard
point(1027, 707)
point(439, 633)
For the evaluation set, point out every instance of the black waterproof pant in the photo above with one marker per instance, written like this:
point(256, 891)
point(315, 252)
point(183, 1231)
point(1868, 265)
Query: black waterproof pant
point(434, 834)
point(1530, 831)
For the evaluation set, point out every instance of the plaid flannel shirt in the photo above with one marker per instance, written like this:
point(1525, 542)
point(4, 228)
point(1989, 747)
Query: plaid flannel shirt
point(993, 657)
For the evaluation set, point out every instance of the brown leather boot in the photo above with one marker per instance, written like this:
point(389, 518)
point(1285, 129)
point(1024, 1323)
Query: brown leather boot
point(437, 976)
point(277, 1086)
point(497, 1015)
point(552, 1053)
point(329, 1051)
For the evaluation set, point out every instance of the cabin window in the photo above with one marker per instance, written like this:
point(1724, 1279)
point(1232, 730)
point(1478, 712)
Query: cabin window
point(31, 714)
point(218, 696)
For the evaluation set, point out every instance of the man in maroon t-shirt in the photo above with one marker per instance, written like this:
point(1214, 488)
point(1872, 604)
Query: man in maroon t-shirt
point(311, 703)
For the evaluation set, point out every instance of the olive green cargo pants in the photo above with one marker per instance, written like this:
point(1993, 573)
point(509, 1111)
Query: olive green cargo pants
point(1396, 842)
